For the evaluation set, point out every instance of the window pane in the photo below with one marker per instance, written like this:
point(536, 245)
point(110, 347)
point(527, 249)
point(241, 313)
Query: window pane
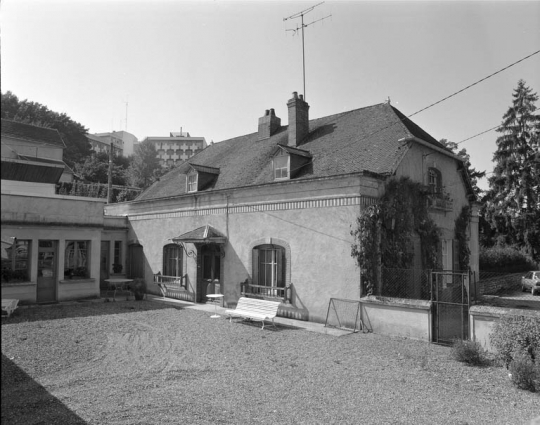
point(15, 266)
point(75, 259)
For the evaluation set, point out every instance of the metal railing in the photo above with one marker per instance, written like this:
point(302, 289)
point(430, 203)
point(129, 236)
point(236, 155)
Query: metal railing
point(282, 293)
point(172, 282)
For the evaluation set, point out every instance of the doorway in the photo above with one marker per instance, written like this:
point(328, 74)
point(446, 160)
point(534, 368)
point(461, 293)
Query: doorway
point(136, 262)
point(210, 266)
point(104, 263)
point(47, 271)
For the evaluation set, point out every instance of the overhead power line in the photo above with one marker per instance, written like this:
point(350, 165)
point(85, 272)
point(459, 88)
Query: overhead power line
point(477, 82)
point(485, 131)
point(448, 97)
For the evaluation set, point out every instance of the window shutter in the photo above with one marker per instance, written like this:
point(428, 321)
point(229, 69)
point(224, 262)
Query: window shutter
point(280, 258)
point(255, 266)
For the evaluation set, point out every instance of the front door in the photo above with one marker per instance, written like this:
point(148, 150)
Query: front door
point(209, 281)
point(136, 262)
point(47, 268)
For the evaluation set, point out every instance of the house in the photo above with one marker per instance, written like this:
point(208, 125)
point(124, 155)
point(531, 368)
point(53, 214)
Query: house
point(54, 247)
point(270, 213)
point(176, 148)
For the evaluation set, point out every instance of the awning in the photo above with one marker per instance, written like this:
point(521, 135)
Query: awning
point(205, 234)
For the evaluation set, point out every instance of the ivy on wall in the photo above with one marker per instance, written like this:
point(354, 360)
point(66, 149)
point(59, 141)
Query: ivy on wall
point(462, 223)
point(383, 233)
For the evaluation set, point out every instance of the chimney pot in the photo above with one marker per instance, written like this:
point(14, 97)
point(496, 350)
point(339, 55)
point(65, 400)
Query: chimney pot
point(295, 94)
point(268, 124)
point(301, 97)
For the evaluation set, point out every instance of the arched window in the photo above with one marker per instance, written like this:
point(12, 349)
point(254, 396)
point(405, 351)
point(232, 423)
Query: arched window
point(434, 181)
point(172, 260)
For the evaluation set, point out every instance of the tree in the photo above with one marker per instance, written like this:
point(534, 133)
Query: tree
point(95, 169)
point(474, 174)
point(73, 133)
point(513, 202)
point(145, 166)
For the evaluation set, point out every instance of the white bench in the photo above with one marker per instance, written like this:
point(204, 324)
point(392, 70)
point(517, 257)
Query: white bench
point(9, 306)
point(255, 309)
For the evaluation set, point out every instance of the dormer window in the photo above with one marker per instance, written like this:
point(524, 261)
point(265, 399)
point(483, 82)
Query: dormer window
point(192, 182)
point(288, 161)
point(201, 177)
point(281, 166)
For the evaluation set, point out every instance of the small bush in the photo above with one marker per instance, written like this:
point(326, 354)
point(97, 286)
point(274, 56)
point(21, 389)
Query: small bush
point(469, 352)
point(525, 372)
point(513, 334)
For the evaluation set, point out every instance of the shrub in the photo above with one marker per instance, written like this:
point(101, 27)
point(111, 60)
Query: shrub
point(513, 334)
point(525, 372)
point(138, 287)
point(505, 258)
point(469, 352)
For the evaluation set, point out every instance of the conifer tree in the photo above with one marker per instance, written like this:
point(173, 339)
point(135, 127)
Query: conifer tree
point(513, 201)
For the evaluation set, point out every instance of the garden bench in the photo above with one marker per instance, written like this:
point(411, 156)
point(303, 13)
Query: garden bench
point(9, 306)
point(255, 309)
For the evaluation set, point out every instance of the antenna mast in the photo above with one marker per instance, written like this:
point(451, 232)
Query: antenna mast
point(301, 16)
point(126, 112)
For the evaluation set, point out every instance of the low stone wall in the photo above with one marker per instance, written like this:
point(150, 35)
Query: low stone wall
point(483, 318)
point(397, 317)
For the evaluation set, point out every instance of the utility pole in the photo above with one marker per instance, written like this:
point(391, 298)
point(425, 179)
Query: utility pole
point(109, 176)
point(302, 26)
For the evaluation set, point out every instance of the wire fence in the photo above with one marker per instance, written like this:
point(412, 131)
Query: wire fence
point(492, 282)
point(405, 283)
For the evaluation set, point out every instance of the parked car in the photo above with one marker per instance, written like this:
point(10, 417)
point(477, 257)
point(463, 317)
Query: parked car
point(531, 282)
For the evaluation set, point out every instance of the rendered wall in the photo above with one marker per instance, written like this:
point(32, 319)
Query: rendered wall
point(397, 317)
point(313, 219)
point(484, 318)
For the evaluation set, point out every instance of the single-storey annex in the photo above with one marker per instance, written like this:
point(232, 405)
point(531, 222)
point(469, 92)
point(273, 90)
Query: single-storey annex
point(270, 213)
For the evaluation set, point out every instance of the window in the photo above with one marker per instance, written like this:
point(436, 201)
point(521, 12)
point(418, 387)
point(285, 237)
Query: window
point(76, 259)
point(172, 260)
point(434, 181)
point(192, 182)
point(117, 252)
point(281, 167)
point(15, 262)
point(268, 266)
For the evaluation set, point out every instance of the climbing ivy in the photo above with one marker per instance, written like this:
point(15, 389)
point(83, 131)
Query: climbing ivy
point(462, 223)
point(383, 232)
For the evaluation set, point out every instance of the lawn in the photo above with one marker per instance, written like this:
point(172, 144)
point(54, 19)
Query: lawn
point(148, 363)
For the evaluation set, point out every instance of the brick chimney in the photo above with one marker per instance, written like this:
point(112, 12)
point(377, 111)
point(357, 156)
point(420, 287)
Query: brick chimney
point(268, 124)
point(298, 119)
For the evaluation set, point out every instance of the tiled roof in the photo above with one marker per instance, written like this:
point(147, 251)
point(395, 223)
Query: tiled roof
point(31, 133)
point(362, 140)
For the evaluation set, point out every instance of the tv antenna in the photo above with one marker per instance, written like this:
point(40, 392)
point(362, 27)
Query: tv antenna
point(126, 102)
point(302, 26)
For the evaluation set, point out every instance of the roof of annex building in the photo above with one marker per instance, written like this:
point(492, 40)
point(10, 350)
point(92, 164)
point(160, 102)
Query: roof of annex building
point(31, 133)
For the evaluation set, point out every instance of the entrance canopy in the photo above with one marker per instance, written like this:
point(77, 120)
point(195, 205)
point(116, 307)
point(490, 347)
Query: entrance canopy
point(205, 234)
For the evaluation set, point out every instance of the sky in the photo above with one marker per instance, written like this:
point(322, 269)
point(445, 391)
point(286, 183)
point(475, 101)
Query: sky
point(212, 68)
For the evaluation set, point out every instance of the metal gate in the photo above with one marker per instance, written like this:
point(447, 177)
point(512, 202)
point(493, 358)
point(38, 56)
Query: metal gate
point(451, 299)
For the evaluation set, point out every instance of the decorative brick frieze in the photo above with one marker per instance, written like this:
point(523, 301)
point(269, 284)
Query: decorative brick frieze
point(263, 207)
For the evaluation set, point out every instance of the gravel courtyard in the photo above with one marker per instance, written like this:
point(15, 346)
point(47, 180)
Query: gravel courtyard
point(148, 363)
